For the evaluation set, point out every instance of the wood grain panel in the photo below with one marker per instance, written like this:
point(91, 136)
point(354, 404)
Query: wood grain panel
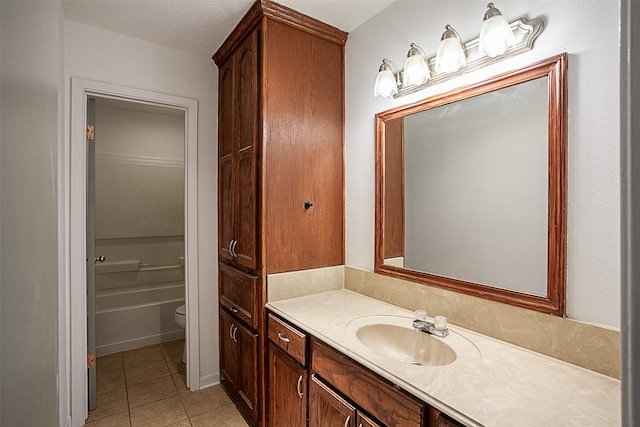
point(288, 338)
point(327, 408)
point(226, 183)
point(238, 292)
point(394, 178)
point(375, 395)
point(303, 150)
point(246, 128)
point(287, 408)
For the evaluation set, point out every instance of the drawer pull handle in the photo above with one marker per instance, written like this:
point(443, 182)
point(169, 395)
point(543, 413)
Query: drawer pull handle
point(230, 243)
point(234, 310)
point(298, 386)
point(283, 338)
point(231, 330)
point(235, 331)
point(233, 249)
point(346, 422)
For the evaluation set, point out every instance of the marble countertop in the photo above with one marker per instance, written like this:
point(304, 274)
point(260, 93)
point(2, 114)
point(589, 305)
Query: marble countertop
point(491, 383)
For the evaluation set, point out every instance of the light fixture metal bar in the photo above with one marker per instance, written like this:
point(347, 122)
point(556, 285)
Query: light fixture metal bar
point(525, 32)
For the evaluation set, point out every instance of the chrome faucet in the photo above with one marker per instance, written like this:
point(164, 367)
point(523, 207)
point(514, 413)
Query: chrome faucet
point(438, 327)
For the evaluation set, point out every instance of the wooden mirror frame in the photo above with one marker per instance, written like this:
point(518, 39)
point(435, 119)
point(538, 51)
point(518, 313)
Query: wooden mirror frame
point(555, 69)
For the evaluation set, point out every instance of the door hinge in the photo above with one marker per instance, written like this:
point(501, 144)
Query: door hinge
point(91, 360)
point(90, 131)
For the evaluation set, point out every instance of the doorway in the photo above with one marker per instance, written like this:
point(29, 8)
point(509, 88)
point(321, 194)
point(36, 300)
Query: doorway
point(75, 212)
point(135, 227)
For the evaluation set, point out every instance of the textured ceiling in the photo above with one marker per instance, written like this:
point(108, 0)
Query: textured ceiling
point(200, 26)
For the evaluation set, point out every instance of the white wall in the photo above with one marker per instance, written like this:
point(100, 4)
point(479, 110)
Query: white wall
point(96, 54)
point(32, 52)
point(588, 31)
point(139, 172)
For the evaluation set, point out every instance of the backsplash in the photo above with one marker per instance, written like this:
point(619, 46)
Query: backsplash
point(589, 346)
point(306, 282)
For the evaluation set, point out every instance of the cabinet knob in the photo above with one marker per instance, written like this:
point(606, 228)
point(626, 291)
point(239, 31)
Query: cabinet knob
point(346, 422)
point(308, 204)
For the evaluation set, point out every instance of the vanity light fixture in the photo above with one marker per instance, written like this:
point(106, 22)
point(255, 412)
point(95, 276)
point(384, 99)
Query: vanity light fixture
point(450, 56)
point(496, 35)
point(388, 80)
point(498, 40)
point(416, 69)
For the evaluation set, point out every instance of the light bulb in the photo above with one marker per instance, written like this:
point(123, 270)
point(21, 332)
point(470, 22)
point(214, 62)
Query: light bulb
point(496, 35)
point(450, 56)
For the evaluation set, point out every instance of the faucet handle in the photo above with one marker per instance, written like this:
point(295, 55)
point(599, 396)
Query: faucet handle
point(440, 323)
point(421, 315)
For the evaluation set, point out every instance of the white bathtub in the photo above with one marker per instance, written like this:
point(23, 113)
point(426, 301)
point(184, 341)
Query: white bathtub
point(137, 316)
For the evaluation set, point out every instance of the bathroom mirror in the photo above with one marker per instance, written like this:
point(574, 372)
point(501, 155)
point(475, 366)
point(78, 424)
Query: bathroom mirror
point(471, 189)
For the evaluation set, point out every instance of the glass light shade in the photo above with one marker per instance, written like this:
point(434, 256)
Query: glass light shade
point(416, 70)
point(496, 35)
point(450, 56)
point(385, 85)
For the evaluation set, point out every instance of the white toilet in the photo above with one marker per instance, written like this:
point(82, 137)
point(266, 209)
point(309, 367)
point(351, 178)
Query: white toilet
point(180, 319)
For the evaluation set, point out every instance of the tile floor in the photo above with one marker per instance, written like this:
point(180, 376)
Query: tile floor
point(146, 387)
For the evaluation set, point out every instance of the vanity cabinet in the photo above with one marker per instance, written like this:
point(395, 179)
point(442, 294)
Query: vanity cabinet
point(310, 383)
point(280, 162)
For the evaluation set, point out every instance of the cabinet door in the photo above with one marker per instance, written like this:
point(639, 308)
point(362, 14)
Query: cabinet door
point(247, 375)
point(247, 115)
point(226, 154)
point(228, 350)
point(327, 408)
point(287, 390)
point(237, 145)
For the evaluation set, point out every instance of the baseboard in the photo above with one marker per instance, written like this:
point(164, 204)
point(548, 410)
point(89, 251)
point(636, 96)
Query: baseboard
point(209, 380)
point(140, 342)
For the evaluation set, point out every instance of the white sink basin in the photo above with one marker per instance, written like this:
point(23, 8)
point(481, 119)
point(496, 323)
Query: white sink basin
point(392, 338)
point(406, 345)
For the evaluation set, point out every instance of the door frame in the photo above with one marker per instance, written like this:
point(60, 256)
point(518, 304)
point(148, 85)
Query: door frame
point(74, 354)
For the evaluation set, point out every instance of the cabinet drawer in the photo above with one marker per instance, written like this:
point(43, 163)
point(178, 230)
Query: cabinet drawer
point(375, 395)
point(288, 338)
point(239, 294)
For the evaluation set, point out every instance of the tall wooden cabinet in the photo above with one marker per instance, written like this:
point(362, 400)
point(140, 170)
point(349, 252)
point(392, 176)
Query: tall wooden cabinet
point(280, 172)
